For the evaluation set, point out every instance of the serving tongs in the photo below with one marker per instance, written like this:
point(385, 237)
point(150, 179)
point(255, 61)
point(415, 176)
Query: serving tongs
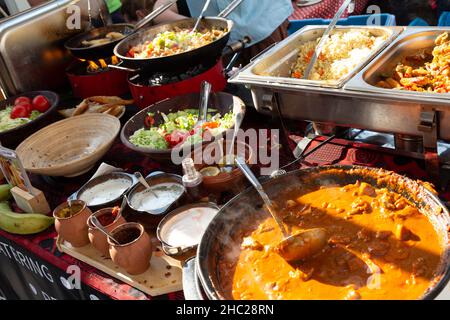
point(154, 14)
point(293, 247)
point(350, 4)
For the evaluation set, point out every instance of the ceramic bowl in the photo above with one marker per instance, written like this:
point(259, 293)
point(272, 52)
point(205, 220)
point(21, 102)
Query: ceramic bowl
point(11, 138)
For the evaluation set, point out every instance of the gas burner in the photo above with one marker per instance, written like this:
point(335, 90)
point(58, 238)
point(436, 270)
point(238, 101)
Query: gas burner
point(94, 78)
point(160, 78)
point(150, 88)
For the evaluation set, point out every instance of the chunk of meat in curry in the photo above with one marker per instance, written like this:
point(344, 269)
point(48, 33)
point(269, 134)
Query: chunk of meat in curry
point(379, 247)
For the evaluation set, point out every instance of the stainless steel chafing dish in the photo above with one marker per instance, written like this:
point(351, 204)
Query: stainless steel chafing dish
point(358, 103)
point(276, 65)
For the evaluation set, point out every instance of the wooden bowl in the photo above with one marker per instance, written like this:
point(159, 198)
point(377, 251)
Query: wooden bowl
point(11, 138)
point(221, 101)
point(69, 147)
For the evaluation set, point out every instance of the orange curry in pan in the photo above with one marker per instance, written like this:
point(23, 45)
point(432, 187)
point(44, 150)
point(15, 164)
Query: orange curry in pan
point(379, 247)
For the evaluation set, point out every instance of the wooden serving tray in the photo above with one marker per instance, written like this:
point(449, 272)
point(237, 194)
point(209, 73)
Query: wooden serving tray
point(163, 276)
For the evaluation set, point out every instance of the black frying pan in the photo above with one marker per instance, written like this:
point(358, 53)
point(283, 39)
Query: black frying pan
point(181, 61)
point(225, 232)
point(76, 47)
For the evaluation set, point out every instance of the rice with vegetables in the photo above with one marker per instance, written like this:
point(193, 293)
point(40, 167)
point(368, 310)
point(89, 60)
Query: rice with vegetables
point(340, 55)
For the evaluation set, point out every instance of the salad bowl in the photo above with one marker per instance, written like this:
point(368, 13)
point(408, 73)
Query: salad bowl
point(11, 137)
point(159, 147)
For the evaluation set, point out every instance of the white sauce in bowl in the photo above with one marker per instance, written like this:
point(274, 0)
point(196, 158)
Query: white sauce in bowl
point(105, 192)
point(186, 228)
point(166, 194)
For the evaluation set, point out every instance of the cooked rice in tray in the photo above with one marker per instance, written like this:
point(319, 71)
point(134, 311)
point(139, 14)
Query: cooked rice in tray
point(340, 55)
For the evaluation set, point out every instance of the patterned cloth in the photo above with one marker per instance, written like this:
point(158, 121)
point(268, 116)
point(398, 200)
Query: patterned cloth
point(325, 10)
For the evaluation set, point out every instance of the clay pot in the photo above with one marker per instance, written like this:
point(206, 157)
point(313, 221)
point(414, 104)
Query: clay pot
point(134, 253)
point(97, 238)
point(73, 229)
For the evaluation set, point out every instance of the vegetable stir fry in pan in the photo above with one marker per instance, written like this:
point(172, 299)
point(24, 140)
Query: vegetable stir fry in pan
point(173, 42)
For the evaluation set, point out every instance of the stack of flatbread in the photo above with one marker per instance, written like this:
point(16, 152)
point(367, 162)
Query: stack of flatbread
point(114, 106)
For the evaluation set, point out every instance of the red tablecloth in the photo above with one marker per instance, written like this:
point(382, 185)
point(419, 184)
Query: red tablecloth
point(325, 9)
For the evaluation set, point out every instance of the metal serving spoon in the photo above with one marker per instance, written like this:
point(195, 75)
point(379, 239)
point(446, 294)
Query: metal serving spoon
point(205, 92)
point(347, 3)
point(144, 183)
point(229, 158)
point(200, 17)
point(298, 246)
point(98, 225)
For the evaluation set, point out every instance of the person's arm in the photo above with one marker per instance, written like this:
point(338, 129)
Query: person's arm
point(168, 16)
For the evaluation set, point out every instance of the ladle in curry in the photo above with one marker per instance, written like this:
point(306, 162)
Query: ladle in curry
point(298, 246)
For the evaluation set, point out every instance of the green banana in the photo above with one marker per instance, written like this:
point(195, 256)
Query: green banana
point(22, 223)
point(4, 192)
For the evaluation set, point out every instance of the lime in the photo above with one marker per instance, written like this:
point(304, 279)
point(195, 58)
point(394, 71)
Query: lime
point(210, 171)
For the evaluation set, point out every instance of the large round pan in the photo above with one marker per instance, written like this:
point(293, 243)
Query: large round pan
point(181, 61)
point(225, 232)
point(76, 47)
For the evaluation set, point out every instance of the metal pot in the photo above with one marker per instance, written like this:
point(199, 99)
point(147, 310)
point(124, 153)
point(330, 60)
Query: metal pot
point(225, 231)
point(178, 251)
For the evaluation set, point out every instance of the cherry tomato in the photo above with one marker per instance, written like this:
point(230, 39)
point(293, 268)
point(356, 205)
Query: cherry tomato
point(19, 111)
point(27, 105)
point(149, 121)
point(21, 100)
point(40, 103)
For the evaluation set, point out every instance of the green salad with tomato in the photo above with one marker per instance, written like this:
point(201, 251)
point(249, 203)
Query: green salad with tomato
point(24, 110)
point(180, 128)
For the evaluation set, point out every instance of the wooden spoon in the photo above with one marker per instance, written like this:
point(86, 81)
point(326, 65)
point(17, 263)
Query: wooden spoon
point(298, 246)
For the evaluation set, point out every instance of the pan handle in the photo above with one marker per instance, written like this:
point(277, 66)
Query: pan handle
point(233, 5)
point(118, 67)
point(155, 13)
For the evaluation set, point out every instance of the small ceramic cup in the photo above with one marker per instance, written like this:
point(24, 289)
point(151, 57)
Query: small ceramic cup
point(135, 250)
point(98, 239)
point(73, 229)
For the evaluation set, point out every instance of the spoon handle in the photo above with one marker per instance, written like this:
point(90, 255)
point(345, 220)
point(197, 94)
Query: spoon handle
point(145, 184)
point(237, 126)
point(97, 224)
point(203, 110)
point(254, 181)
point(200, 17)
